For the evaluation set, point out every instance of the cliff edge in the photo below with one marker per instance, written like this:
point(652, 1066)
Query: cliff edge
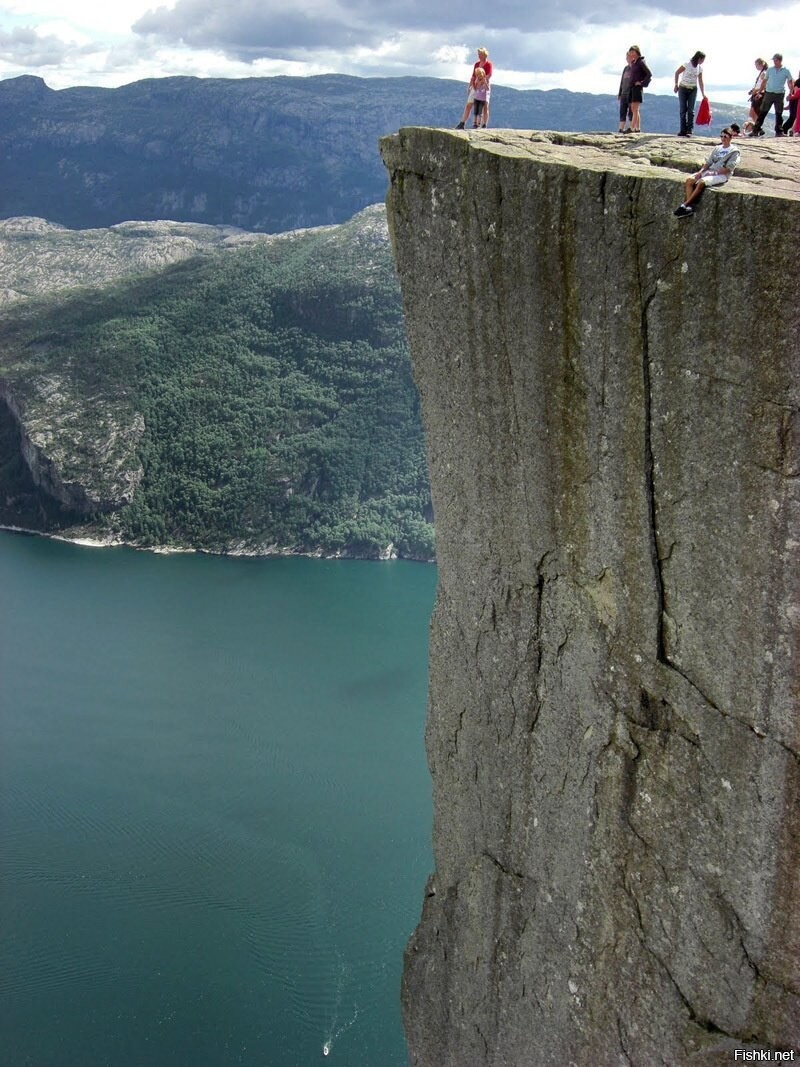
point(610, 399)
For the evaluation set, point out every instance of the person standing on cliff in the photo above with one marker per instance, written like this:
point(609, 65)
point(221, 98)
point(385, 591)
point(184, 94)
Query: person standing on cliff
point(624, 94)
point(716, 170)
point(481, 93)
point(485, 65)
point(779, 79)
point(794, 108)
point(636, 76)
point(756, 94)
point(687, 79)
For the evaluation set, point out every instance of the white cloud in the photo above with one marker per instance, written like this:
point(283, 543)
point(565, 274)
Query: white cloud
point(97, 17)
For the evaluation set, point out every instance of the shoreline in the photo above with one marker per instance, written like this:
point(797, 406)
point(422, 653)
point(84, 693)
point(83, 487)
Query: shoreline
point(271, 552)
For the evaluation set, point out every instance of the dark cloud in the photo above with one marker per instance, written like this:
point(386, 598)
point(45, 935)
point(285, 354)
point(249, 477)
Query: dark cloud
point(249, 29)
point(530, 51)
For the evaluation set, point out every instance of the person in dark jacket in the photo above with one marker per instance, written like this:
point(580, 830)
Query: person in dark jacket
point(639, 77)
point(624, 94)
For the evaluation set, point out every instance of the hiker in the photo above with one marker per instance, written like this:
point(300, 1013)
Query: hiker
point(688, 77)
point(636, 76)
point(779, 79)
point(481, 94)
point(624, 94)
point(716, 170)
point(756, 94)
point(794, 107)
point(483, 64)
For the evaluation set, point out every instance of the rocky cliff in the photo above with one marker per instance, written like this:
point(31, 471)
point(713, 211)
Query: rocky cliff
point(73, 468)
point(610, 397)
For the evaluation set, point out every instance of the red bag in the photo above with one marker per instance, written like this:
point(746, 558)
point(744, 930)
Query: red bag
point(703, 113)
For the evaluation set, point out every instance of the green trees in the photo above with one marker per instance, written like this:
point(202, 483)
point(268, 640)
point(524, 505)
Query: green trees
point(275, 387)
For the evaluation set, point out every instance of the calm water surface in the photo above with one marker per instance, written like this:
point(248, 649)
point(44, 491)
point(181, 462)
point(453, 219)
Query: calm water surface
point(214, 806)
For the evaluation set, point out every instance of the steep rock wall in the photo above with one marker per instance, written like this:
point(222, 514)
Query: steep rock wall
point(81, 467)
point(610, 397)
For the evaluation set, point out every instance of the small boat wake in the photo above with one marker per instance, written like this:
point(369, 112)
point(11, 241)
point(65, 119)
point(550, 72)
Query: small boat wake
point(335, 1031)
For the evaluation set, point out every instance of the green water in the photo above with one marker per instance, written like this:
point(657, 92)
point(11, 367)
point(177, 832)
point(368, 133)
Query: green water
point(214, 806)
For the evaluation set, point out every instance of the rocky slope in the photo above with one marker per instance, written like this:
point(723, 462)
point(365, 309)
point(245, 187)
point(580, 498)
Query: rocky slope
point(39, 257)
point(56, 466)
point(610, 398)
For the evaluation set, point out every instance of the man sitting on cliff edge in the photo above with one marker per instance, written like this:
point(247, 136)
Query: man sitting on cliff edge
point(715, 171)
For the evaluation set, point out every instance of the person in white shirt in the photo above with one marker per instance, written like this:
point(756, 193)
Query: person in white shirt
point(715, 171)
point(687, 78)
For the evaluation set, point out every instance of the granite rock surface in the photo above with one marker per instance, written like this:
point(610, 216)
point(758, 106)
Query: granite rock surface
point(610, 399)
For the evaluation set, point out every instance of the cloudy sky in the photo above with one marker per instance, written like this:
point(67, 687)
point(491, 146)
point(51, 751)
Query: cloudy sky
point(574, 44)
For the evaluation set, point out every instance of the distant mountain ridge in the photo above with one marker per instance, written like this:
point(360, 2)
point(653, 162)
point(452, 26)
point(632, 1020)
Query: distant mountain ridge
point(262, 154)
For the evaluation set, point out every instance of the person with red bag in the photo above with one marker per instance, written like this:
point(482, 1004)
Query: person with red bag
point(703, 117)
point(687, 79)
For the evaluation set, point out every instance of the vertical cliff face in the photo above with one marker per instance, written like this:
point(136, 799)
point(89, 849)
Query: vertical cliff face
point(610, 398)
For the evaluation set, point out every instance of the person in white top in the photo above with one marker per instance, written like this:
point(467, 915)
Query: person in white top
point(756, 94)
point(716, 170)
point(687, 78)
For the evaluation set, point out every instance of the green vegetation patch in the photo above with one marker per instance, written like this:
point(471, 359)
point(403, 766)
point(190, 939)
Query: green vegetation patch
point(275, 387)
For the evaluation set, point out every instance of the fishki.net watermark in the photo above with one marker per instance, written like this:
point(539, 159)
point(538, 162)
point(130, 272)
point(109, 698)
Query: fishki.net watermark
point(752, 1055)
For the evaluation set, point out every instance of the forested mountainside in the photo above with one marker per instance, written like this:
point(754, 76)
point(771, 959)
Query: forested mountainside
point(269, 154)
point(256, 398)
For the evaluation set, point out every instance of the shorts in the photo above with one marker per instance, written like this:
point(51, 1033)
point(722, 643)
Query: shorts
point(714, 179)
point(636, 94)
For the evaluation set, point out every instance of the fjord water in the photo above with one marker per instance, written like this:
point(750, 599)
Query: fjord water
point(214, 806)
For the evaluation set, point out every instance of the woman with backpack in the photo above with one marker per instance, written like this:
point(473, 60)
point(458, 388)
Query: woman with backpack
point(638, 77)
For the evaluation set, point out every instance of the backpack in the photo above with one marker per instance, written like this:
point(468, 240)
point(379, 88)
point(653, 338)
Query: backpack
point(648, 75)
